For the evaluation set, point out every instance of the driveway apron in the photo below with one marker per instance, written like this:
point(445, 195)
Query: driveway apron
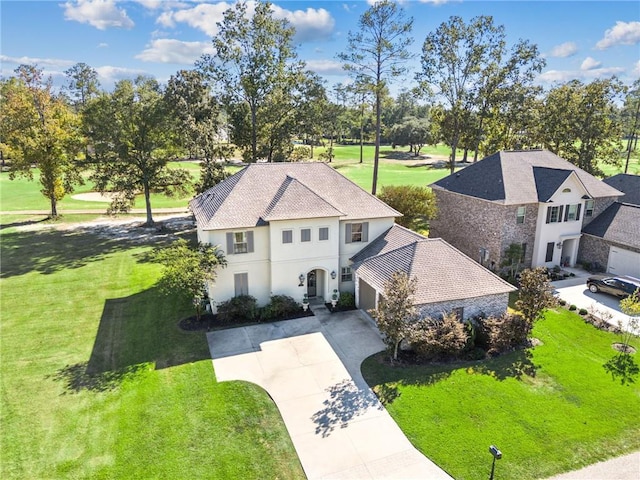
point(311, 368)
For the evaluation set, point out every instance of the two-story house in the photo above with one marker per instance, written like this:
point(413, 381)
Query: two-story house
point(303, 228)
point(532, 198)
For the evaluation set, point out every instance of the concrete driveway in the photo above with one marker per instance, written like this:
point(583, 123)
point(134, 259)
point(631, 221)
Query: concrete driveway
point(574, 291)
point(311, 368)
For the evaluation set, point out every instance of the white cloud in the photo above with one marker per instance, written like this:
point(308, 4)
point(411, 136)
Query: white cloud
point(635, 72)
point(150, 4)
point(623, 33)
point(564, 50)
point(310, 24)
point(552, 76)
point(101, 14)
point(42, 62)
point(203, 17)
point(590, 63)
point(103, 45)
point(436, 2)
point(326, 67)
point(108, 74)
point(168, 50)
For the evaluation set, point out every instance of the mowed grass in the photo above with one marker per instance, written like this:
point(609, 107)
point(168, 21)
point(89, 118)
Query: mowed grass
point(97, 380)
point(549, 410)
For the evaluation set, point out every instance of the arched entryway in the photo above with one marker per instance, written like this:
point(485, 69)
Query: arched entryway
point(316, 283)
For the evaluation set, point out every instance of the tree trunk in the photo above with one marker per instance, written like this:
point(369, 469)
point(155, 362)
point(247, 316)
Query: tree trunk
point(361, 131)
point(376, 154)
point(254, 135)
point(395, 350)
point(147, 202)
point(464, 156)
point(54, 206)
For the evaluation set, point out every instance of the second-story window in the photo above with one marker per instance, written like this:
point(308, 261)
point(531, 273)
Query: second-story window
point(305, 235)
point(323, 233)
point(357, 232)
point(240, 242)
point(520, 214)
point(287, 236)
point(588, 208)
point(572, 213)
point(554, 214)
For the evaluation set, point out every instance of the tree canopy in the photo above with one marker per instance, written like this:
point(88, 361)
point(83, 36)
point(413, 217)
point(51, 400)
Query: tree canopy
point(132, 134)
point(376, 54)
point(39, 128)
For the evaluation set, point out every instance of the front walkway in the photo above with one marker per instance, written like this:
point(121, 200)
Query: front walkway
point(311, 368)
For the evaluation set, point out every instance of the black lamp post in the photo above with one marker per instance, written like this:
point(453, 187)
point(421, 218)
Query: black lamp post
point(497, 455)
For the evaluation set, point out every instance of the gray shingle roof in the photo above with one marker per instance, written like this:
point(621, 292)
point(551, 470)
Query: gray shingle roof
point(629, 184)
point(619, 223)
point(397, 236)
point(275, 191)
point(442, 272)
point(519, 177)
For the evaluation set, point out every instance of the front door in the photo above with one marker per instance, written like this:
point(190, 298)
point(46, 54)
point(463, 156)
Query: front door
point(311, 283)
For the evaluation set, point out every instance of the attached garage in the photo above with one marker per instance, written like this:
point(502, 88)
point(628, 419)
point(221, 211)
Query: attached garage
point(366, 296)
point(623, 262)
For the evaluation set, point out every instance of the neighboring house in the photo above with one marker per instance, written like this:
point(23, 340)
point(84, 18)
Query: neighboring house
point(531, 197)
point(612, 239)
point(302, 228)
point(446, 279)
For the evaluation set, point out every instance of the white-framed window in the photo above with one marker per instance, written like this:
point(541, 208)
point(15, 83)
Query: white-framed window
point(287, 236)
point(520, 214)
point(241, 284)
point(305, 235)
point(572, 213)
point(357, 232)
point(240, 242)
point(588, 208)
point(323, 233)
point(554, 214)
point(346, 275)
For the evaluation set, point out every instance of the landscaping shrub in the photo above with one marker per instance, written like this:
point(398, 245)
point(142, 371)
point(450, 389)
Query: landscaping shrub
point(346, 300)
point(435, 339)
point(562, 302)
point(279, 307)
point(572, 307)
point(238, 309)
point(500, 334)
point(583, 311)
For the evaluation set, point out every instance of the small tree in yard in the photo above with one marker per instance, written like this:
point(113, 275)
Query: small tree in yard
point(513, 260)
point(396, 310)
point(187, 269)
point(535, 295)
point(439, 338)
point(623, 365)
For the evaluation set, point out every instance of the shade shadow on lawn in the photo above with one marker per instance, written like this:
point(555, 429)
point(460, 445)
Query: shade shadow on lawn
point(135, 333)
point(49, 251)
point(516, 364)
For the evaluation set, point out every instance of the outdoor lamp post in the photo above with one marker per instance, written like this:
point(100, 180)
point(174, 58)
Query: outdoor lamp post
point(497, 455)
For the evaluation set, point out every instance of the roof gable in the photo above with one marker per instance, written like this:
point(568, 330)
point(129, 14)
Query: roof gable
point(284, 191)
point(395, 237)
point(294, 200)
point(548, 181)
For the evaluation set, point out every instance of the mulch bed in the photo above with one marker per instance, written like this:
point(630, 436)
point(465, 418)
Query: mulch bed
point(209, 322)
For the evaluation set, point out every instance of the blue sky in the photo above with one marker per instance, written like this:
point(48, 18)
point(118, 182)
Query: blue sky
point(120, 39)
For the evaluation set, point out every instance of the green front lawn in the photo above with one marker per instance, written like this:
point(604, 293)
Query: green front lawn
point(97, 381)
point(549, 412)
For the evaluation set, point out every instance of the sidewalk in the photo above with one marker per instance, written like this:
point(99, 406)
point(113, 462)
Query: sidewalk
point(626, 467)
point(96, 211)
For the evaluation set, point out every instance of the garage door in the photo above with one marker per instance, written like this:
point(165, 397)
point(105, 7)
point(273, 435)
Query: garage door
point(624, 262)
point(367, 293)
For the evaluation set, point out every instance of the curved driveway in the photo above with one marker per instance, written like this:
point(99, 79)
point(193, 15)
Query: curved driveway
point(311, 368)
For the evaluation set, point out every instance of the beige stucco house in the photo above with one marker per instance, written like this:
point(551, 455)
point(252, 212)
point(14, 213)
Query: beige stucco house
point(302, 228)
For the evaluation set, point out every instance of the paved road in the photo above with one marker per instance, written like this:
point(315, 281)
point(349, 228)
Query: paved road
point(311, 368)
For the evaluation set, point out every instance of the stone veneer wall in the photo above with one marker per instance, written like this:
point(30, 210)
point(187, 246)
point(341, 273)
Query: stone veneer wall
point(490, 305)
point(470, 224)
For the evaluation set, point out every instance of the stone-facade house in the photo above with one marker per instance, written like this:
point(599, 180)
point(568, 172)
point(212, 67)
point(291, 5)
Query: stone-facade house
point(302, 228)
point(532, 198)
point(612, 240)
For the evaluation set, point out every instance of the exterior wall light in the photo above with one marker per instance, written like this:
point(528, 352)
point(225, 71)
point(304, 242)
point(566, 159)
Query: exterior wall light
point(333, 274)
point(301, 279)
point(559, 245)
